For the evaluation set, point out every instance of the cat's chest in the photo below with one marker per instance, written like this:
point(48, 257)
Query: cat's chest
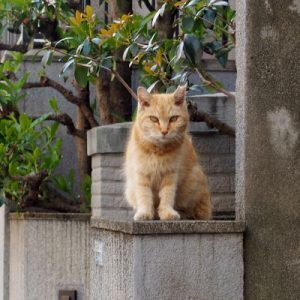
point(156, 166)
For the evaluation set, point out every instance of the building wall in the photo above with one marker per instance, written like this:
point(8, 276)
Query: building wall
point(49, 253)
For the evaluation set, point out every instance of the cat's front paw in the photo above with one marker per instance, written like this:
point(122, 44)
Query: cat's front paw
point(143, 216)
point(168, 214)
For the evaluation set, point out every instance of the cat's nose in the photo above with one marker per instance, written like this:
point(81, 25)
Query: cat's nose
point(164, 132)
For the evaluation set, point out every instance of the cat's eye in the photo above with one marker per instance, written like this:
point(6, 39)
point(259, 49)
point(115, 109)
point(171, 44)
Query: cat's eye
point(173, 119)
point(154, 119)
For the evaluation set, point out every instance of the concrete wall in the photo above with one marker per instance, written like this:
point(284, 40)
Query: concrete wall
point(48, 252)
point(4, 254)
point(106, 145)
point(169, 260)
point(268, 146)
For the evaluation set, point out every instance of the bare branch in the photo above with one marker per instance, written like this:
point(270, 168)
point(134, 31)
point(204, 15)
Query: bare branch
point(18, 48)
point(201, 116)
point(208, 80)
point(67, 121)
point(47, 82)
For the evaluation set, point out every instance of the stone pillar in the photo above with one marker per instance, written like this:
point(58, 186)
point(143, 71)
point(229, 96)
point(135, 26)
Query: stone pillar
point(4, 253)
point(166, 260)
point(268, 145)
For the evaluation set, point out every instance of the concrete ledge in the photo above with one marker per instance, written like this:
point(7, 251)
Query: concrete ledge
point(168, 227)
point(49, 216)
point(112, 138)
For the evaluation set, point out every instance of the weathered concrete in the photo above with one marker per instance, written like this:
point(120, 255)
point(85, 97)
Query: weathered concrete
point(199, 260)
point(268, 145)
point(4, 254)
point(169, 227)
point(106, 144)
point(49, 252)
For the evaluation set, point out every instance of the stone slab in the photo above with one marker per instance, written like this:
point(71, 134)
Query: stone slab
point(113, 138)
point(168, 227)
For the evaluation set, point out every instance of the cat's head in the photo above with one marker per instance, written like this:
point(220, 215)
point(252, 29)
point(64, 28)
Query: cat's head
point(162, 118)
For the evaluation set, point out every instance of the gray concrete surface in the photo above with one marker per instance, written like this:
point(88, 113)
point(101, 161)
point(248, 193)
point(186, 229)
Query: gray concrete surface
point(4, 254)
point(268, 145)
point(49, 252)
point(106, 145)
point(149, 266)
point(169, 227)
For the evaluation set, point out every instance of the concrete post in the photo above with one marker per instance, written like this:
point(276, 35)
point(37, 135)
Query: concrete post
point(4, 253)
point(154, 260)
point(268, 146)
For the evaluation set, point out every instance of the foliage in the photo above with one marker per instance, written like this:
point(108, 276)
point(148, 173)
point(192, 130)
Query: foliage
point(205, 26)
point(34, 15)
point(26, 148)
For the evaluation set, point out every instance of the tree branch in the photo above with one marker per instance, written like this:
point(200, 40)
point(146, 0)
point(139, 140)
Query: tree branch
point(33, 181)
point(207, 80)
point(201, 116)
point(149, 6)
point(18, 48)
point(67, 121)
point(47, 82)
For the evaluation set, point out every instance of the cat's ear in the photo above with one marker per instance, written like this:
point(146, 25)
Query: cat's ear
point(180, 94)
point(143, 96)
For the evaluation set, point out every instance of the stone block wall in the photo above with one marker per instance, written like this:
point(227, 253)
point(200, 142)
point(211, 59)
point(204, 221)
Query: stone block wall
point(216, 155)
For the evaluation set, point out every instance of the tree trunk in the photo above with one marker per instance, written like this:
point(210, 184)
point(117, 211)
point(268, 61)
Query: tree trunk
point(103, 98)
point(120, 99)
point(164, 24)
point(84, 161)
point(113, 100)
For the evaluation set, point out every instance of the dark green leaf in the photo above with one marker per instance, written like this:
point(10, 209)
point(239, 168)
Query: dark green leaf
point(193, 49)
point(81, 75)
point(187, 23)
point(209, 18)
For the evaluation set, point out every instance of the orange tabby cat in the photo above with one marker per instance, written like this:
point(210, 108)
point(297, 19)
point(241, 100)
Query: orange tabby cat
point(163, 178)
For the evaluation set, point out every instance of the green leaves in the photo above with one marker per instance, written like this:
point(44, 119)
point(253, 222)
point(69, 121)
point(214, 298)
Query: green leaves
point(47, 58)
point(187, 23)
point(81, 75)
point(27, 147)
point(193, 49)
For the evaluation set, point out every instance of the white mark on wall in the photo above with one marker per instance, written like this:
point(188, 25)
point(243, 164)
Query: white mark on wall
point(99, 252)
point(295, 6)
point(268, 6)
point(268, 32)
point(283, 131)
